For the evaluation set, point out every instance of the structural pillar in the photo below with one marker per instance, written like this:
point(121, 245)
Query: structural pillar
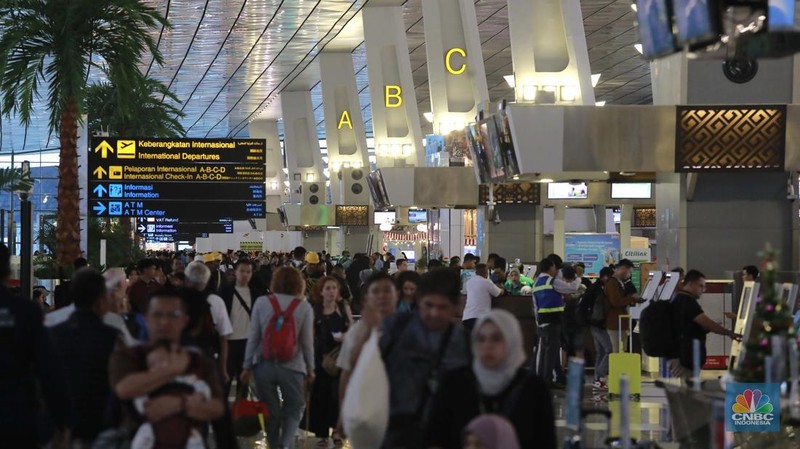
point(548, 49)
point(301, 144)
point(395, 118)
point(456, 75)
point(559, 234)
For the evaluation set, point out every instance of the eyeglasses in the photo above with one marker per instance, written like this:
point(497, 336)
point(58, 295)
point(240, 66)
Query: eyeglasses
point(174, 315)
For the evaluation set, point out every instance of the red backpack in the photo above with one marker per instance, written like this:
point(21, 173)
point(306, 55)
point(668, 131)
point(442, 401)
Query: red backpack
point(279, 342)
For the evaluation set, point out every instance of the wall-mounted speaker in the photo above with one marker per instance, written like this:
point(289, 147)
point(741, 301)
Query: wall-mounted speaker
point(314, 193)
point(353, 186)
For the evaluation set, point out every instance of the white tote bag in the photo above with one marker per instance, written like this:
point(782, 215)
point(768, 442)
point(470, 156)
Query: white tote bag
point(365, 412)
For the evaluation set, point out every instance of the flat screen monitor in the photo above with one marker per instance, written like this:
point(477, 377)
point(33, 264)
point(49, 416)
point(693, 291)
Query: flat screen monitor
point(377, 189)
point(480, 159)
point(417, 216)
point(780, 15)
point(697, 21)
point(654, 20)
point(631, 191)
point(567, 191)
point(385, 217)
point(617, 214)
point(510, 162)
point(488, 131)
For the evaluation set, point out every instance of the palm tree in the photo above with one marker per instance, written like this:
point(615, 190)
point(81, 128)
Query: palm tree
point(13, 180)
point(149, 114)
point(52, 45)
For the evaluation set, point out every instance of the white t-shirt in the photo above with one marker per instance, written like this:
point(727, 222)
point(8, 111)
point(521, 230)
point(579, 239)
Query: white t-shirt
point(239, 317)
point(479, 297)
point(219, 313)
point(57, 317)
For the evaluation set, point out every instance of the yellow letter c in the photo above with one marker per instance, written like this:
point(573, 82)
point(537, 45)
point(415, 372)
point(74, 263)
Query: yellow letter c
point(450, 69)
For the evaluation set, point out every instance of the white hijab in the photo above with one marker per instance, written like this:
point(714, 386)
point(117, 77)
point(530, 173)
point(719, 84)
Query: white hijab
point(494, 381)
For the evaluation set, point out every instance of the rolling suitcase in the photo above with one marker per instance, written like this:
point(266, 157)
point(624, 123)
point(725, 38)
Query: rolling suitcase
point(627, 363)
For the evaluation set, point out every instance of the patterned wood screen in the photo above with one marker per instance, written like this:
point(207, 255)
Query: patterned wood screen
point(645, 217)
point(512, 193)
point(712, 138)
point(352, 215)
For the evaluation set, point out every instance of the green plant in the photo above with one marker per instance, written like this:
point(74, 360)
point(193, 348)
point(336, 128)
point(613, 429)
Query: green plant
point(152, 111)
point(121, 250)
point(47, 49)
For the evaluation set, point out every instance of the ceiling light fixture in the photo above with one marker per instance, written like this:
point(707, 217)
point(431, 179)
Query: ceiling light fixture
point(638, 48)
point(634, 7)
point(546, 180)
point(595, 79)
point(428, 116)
point(385, 227)
point(600, 103)
point(510, 81)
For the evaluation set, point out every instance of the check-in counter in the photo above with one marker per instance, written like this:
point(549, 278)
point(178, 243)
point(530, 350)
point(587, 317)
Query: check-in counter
point(522, 308)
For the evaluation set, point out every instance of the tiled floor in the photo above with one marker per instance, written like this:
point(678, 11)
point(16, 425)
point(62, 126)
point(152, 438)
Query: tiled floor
point(650, 420)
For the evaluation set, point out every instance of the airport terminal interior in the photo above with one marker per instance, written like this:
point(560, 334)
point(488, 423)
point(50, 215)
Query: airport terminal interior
point(399, 224)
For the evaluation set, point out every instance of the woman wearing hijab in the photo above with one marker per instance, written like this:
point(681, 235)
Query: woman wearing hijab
point(490, 432)
point(497, 384)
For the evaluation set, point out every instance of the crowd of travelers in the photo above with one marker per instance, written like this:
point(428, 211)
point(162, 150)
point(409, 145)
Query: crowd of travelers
point(157, 354)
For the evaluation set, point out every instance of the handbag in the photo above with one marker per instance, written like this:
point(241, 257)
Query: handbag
point(329, 361)
point(248, 415)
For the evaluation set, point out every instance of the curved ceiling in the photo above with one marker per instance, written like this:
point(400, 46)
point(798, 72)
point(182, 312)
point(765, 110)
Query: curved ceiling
point(228, 60)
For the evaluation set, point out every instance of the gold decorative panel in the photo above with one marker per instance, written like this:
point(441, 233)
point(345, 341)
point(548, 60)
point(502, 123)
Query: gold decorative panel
point(645, 217)
point(712, 138)
point(512, 193)
point(352, 215)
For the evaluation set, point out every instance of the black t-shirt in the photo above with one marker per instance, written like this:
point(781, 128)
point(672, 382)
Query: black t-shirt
point(685, 309)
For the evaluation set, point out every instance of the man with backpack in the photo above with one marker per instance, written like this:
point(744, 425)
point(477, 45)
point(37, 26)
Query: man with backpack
point(690, 323)
point(239, 299)
point(418, 348)
point(591, 313)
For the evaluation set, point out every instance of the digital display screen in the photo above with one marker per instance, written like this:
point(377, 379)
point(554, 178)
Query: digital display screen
point(745, 302)
point(385, 217)
point(417, 216)
point(480, 158)
point(695, 21)
point(781, 14)
point(506, 144)
point(491, 144)
point(655, 28)
point(642, 190)
point(567, 191)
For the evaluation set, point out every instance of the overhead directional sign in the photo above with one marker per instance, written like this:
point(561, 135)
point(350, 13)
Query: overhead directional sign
point(185, 179)
point(176, 191)
point(195, 229)
point(197, 210)
point(238, 151)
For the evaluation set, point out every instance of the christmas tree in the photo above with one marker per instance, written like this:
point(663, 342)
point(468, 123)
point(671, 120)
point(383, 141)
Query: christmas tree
point(772, 318)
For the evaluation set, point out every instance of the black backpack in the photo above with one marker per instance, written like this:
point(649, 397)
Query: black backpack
point(657, 330)
point(201, 331)
point(587, 302)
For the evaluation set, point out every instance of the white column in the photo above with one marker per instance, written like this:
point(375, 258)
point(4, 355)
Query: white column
point(303, 157)
point(559, 234)
point(395, 119)
point(344, 124)
point(548, 48)
point(275, 176)
point(626, 219)
point(456, 75)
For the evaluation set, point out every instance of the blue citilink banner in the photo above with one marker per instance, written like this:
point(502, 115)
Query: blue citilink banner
point(752, 407)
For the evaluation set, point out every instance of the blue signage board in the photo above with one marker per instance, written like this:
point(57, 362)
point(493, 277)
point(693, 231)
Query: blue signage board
point(594, 250)
point(197, 210)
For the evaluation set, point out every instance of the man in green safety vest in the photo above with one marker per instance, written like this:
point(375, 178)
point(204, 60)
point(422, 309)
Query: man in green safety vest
point(549, 307)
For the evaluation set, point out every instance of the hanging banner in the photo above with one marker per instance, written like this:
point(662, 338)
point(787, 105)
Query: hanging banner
point(594, 250)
